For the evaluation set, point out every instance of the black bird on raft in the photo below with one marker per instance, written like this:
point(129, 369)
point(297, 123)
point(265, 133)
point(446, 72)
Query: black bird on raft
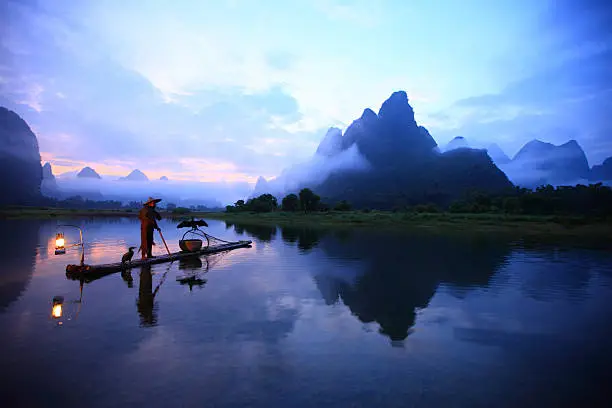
point(193, 224)
point(127, 257)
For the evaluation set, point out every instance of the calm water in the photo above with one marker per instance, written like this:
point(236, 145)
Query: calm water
point(306, 318)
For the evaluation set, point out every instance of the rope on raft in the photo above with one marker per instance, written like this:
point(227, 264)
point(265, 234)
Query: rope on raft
point(215, 239)
point(194, 225)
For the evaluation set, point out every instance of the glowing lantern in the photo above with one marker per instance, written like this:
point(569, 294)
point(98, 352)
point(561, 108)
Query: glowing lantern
point(56, 311)
point(59, 244)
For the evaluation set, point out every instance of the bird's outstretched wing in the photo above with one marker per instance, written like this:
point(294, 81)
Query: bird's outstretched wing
point(192, 224)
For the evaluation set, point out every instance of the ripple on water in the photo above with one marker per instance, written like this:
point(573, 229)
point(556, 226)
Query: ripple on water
point(306, 317)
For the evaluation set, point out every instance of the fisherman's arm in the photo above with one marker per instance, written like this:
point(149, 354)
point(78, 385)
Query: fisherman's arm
point(156, 216)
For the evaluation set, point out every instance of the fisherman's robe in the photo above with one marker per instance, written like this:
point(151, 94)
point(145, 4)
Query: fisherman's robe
point(148, 223)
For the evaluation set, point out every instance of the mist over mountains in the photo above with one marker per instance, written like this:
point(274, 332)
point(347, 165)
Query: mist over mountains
point(393, 160)
point(137, 186)
point(23, 179)
point(539, 163)
point(381, 160)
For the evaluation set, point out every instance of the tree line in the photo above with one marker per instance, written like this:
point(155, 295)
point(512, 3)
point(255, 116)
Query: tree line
point(78, 202)
point(590, 200)
point(306, 200)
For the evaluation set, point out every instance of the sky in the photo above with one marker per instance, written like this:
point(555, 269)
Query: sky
point(229, 90)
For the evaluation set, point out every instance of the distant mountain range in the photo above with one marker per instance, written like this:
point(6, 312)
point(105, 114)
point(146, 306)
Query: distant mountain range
point(387, 160)
point(88, 172)
point(538, 163)
point(135, 175)
point(382, 160)
point(395, 162)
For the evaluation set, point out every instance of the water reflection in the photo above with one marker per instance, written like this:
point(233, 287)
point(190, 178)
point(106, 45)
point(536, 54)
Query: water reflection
point(126, 275)
point(306, 238)
point(192, 268)
point(19, 240)
point(264, 233)
point(146, 304)
point(190, 264)
point(400, 276)
point(496, 315)
point(147, 309)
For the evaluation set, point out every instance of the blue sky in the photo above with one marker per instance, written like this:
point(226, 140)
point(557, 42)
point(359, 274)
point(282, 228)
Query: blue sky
point(234, 89)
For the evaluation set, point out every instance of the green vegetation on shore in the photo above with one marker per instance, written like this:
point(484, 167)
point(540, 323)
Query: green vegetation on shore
point(567, 211)
point(570, 211)
point(523, 225)
point(52, 212)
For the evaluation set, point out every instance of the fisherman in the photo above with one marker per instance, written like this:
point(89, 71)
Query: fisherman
point(148, 222)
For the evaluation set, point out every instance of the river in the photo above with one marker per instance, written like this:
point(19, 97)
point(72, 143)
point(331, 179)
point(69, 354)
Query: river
point(304, 318)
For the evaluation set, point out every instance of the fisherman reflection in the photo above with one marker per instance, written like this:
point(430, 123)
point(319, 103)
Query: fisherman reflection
point(146, 298)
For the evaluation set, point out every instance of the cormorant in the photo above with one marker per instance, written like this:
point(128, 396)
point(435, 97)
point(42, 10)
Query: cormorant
point(127, 257)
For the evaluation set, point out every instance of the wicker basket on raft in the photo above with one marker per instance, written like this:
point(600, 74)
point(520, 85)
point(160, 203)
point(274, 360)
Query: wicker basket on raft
point(193, 244)
point(190, 245)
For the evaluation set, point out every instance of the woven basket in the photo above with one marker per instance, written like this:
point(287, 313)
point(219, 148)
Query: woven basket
point(190, 245)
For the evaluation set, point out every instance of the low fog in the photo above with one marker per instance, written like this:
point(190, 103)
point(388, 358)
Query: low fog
point(313, 172)
point(184, 193)
point(539, 163)
point(528, 176)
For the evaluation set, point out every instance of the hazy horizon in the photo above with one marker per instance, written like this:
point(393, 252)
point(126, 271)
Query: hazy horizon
point(221, 92)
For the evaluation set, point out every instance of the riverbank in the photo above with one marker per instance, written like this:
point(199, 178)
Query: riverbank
point(492, 223)
point(44, 213)
point(47, 213)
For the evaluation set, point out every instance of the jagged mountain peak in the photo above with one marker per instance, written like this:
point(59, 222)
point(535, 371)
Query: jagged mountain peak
point(47, 171)
point(88, 172)
point(497, 154)
point(456, 143)
point(396, 107)
point(135, 175)
point(331, 143)
point(368, 114)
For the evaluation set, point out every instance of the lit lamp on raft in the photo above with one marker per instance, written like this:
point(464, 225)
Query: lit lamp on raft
point(60, 243)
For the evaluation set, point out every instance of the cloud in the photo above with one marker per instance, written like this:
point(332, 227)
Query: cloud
point(233, 82)
point(97, 111)
point(566, 98)
point(367, 14)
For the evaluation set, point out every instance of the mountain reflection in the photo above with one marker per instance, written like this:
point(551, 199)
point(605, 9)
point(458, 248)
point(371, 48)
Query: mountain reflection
point(401, 275)
point(19, 239)
point(264, 233)
point(395, 274)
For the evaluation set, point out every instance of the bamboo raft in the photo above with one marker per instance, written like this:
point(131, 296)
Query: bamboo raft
point(91, 272)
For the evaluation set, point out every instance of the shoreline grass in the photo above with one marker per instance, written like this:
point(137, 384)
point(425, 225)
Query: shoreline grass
point(462, 222)
point(484, 222)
